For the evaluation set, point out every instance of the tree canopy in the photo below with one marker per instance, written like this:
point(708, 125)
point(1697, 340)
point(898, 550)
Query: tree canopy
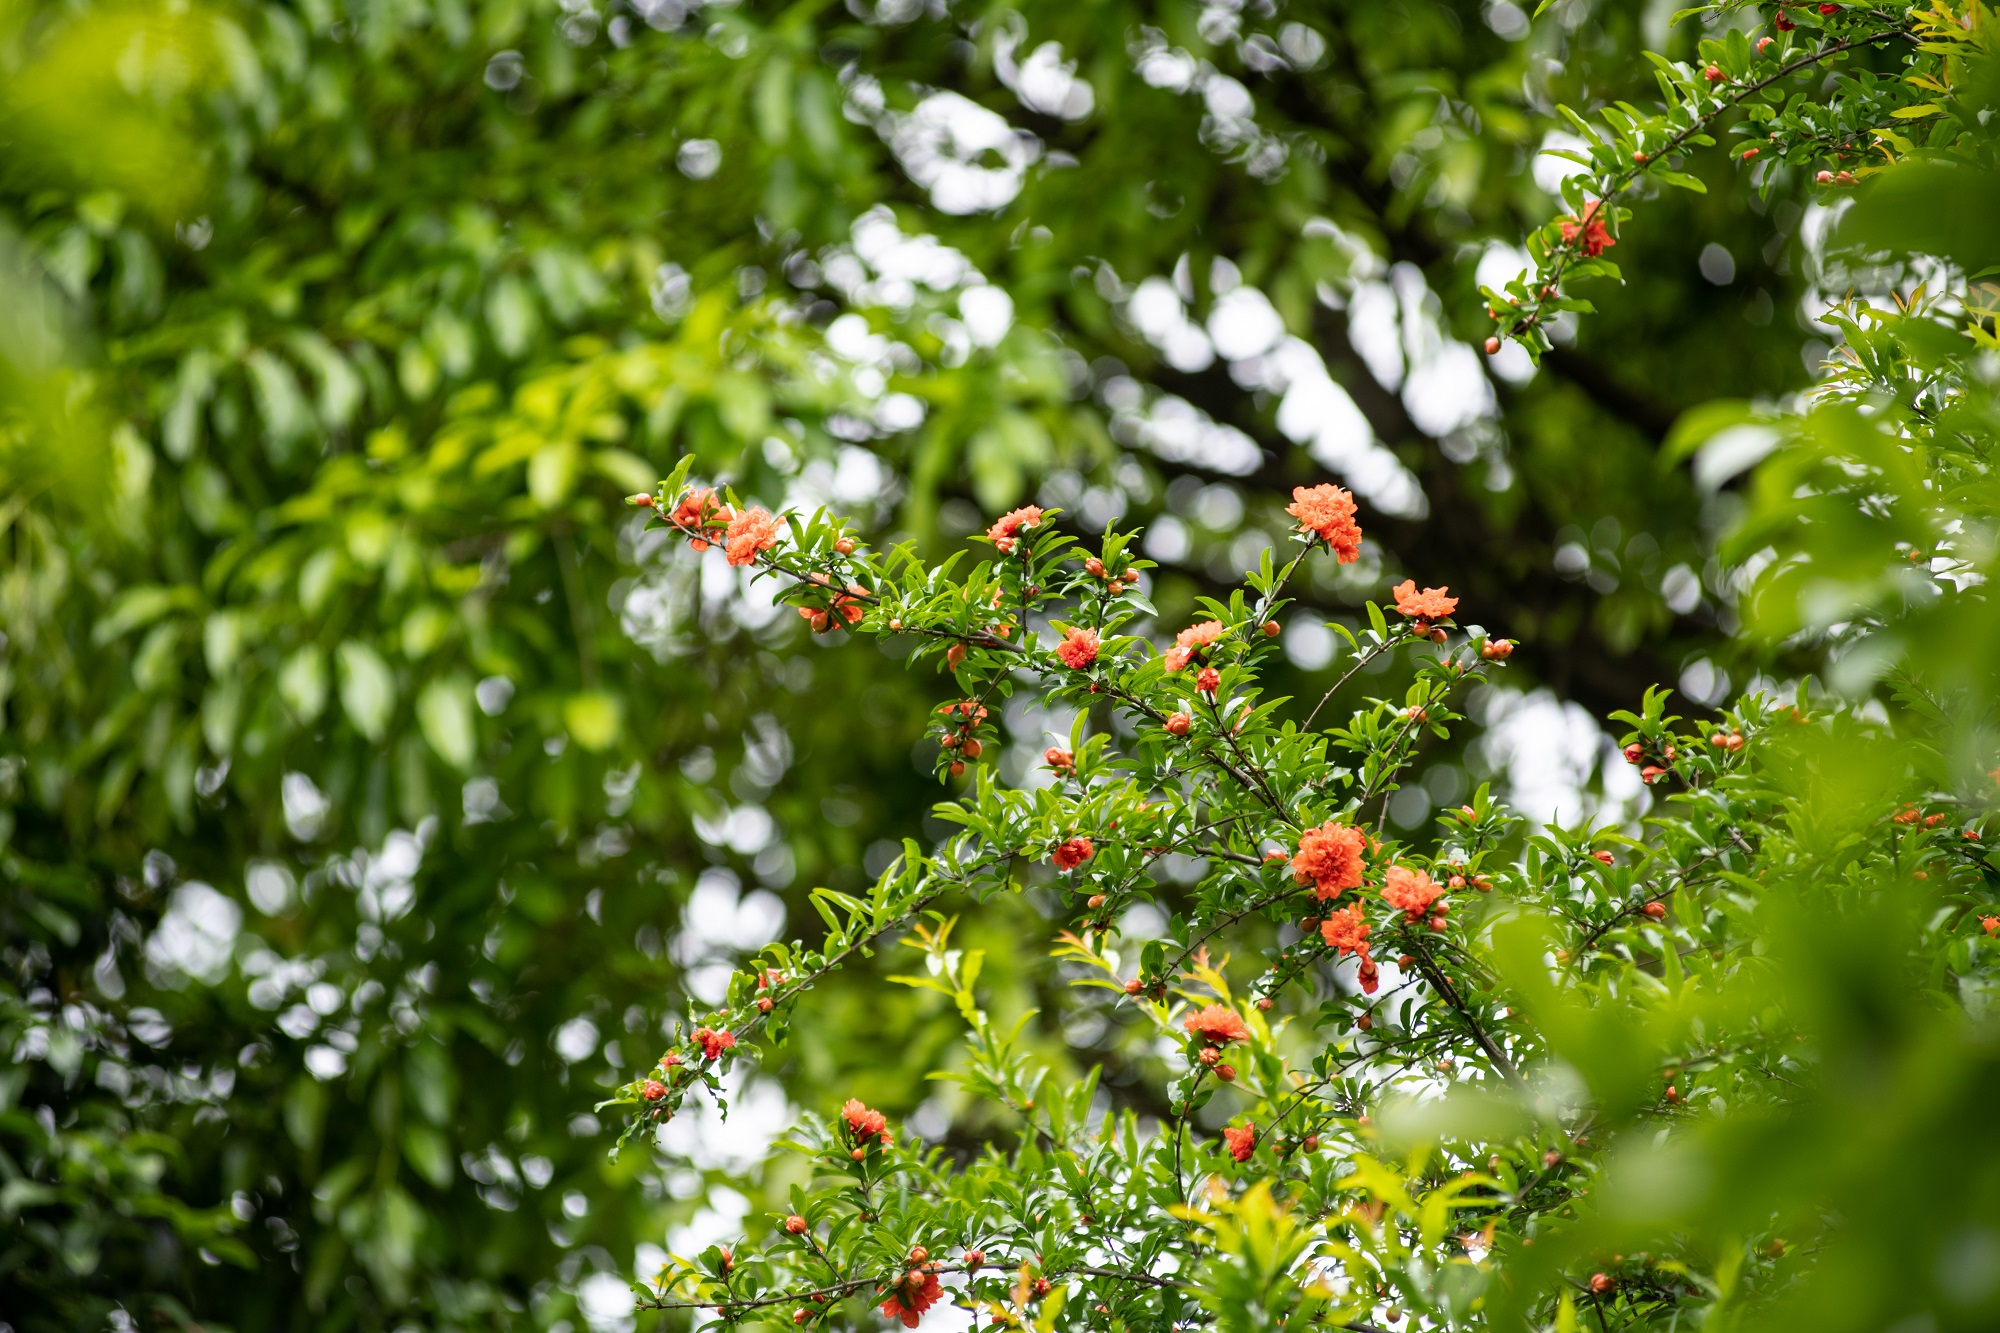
point(378, 791)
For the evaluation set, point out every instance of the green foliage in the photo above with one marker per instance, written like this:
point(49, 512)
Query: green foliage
point(359, 767)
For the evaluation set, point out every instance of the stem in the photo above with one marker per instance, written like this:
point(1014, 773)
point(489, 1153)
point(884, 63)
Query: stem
point(1216, 927)
point(1270, 795)
point(1359, 662)
point(1449, 994)
point(579, 607)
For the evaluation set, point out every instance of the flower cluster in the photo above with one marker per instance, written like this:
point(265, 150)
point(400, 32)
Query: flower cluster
point(1327, 512)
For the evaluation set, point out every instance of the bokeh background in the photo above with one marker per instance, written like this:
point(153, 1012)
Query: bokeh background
point(374, 792)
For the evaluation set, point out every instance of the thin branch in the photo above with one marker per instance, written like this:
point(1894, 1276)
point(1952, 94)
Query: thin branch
point(1449, 994)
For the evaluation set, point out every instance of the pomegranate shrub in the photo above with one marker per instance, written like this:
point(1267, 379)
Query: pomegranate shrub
point(1442, 1086)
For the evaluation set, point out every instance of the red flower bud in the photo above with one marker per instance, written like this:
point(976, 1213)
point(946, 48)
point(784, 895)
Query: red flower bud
point(1492, 346)
point(1227, 1073)
point(1270, 629)
point(796, 1225)
point(1657, 911)
point(1179, 724)
point(1601, 1283)
point(844, 545)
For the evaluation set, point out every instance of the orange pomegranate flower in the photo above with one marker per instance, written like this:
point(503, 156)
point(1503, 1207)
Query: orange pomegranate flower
point(1191, 641)
point(1430, 604)
point(1217, 1025)
point(1597, 238)
point(863, 1123)
point(910, 1300)
point(1242, 1141)
point(1013, 521)
point(1412, 891)
point(1078, 648)
point(1328, 513)
point(1346, 931)
point(1329, 859)
point(750, 532)
point(1073, 853)
point(712, 1043)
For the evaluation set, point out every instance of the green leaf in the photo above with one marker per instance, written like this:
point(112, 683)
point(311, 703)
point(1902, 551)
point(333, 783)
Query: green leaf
point(445, 712)
point(594, 719)
point(367, 689)
point(302, 683)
